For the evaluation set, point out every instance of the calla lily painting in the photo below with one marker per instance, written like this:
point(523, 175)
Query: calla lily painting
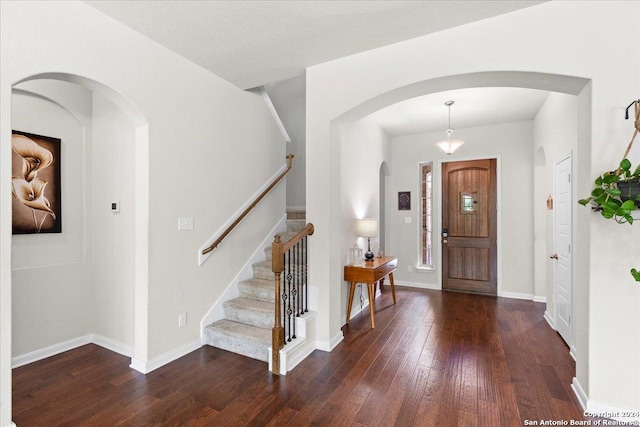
point(35, 183)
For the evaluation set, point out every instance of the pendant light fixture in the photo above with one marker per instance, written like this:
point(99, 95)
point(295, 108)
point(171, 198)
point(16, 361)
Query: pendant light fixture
point(449, 145)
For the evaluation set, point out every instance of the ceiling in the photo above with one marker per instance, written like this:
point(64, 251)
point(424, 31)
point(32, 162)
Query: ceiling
point(271, 43)
point(472, 107)
point(252, 43)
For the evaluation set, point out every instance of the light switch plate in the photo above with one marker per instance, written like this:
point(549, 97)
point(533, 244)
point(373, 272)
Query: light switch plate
point(407, 220)
point(185, 224)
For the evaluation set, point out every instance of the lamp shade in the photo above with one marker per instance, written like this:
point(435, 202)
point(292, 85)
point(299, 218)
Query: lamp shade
point(449, 145)
point(367, 227)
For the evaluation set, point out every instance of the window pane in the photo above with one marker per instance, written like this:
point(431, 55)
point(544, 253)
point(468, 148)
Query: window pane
point(426, 255)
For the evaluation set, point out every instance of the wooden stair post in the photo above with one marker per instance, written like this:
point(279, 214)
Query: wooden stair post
point(277, 333)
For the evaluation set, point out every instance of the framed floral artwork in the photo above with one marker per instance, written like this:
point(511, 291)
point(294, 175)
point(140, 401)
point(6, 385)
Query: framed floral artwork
point(35, 183)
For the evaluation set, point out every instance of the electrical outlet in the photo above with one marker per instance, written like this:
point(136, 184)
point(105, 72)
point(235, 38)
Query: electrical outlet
point(182, 320)
point(409, 268)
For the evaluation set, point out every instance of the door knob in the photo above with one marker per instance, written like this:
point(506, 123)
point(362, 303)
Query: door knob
point(554, 256)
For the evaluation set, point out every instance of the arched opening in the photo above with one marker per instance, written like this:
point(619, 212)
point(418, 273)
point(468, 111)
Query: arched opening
point(88, 283)
point(579, 88)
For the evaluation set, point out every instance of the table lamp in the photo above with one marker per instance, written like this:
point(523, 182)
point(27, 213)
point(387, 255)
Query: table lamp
point(367, 227)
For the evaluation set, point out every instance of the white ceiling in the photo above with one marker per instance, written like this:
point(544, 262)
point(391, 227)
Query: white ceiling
point(252, 43)
point(473, 107)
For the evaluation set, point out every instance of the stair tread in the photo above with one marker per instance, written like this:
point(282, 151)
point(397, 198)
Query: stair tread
point(258, 282)
point(250, 304)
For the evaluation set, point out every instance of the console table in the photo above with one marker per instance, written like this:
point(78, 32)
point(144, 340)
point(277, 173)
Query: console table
point(371, 273)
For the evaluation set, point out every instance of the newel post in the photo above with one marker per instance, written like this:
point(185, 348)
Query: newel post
point(277, 333)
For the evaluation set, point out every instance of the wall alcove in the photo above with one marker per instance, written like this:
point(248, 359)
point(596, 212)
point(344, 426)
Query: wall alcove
point(88, 283)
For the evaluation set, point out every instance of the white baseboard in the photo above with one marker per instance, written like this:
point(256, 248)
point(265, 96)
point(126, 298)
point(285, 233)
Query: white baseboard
point(418, 285)
point(49, 351)
point(593, 408)
point(580, 394)
point(516, 295)
point(52, 350)
point(305, 349)
point(163, 359)
point(572, 353)
point(550, 320)
point(540, 299)
point(109, 344)
point(331, 344)
point(112, 345)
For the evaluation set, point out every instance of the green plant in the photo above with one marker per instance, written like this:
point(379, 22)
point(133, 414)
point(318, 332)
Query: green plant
point(607, 198)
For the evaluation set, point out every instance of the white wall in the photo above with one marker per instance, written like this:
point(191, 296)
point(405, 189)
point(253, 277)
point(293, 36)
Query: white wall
point(540, 46)
point(511, 143)
point(289, 99)
point(363, 148)
point(113, 179)
point(556, 135)
point(203, 135)
point(51, 272)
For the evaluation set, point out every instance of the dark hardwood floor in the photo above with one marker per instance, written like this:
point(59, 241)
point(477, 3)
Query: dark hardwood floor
point(435, 359)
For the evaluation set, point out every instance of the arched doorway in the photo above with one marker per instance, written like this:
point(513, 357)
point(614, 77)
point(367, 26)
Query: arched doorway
point(90, 281)
point(326, 269)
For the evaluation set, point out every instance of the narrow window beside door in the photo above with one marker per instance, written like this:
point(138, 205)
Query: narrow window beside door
point(426, 235)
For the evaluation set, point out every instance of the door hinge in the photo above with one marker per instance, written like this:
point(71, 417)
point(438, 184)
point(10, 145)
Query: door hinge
point(569, 176)
point(569, 247)
point(569, 318)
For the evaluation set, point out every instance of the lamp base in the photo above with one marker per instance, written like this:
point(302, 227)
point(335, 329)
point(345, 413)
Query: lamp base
point(368, 256)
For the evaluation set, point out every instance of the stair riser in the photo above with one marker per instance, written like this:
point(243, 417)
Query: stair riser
point(237, 345)
point(250, 317)
point(257, 293)
point(295, 226)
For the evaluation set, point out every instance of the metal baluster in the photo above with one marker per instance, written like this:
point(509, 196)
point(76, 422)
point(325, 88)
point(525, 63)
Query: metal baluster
point(289, 310)
point(284, 300)
point(300, 264)
point(294, 290)
point(305, 285)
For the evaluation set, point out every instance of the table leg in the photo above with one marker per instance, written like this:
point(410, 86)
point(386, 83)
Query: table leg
point(381, 284)
point(372, 299)
point(352, 289)
point(393, 287)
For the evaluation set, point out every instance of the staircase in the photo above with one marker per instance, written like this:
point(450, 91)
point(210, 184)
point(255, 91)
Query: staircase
point(246, 326)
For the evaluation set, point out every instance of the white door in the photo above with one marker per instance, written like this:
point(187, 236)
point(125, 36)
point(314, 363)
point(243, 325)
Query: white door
point(562, 286)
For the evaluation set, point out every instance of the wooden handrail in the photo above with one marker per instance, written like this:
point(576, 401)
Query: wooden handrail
point(250, 208)
point(278, 249)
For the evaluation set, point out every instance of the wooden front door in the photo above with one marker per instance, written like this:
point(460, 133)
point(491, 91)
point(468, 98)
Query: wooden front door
point(469, 217)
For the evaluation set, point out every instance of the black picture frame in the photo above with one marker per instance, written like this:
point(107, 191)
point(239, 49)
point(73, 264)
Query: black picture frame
point(36, 183)
point(404, 200)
